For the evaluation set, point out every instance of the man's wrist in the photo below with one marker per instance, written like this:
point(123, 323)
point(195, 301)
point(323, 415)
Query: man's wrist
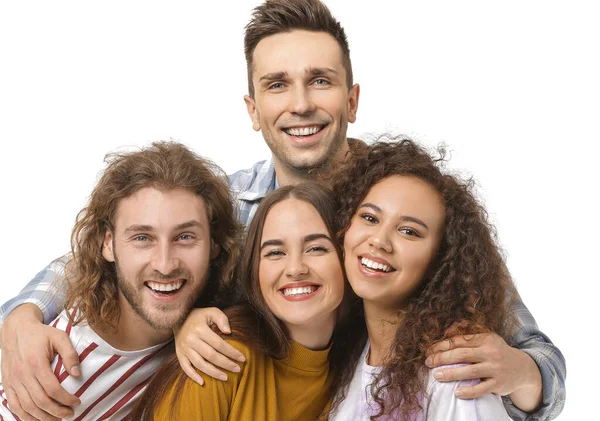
point(27, 312)
point(528, 397)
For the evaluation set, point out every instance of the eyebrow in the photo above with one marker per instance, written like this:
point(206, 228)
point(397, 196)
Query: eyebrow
point(273, 76)
point(314, 71)
point(150, 228)
point(320, 71)
point(308, 238)
point(407, 218)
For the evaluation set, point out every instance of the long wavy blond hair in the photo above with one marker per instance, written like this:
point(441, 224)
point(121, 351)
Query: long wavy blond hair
point(91, 280)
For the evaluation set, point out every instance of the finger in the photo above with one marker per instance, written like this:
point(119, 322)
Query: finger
point(44, 403)
point(64, 347)
point(209, 354)
point(188, 369)
point(477, 391)
point(466, 372)
point(454, 356)
point(55, 391)
point(224, 349)
point(207, 368)
point(29, 410)
point(15, 406)
point(460, 341)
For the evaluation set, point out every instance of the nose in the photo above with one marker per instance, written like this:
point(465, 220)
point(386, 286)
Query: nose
point(296, 267)
point(164, 259)
point(301, 101)
point(379, 239)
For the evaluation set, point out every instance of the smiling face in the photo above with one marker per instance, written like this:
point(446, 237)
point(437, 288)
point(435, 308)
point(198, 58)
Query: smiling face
point(161, 247)
point(392, 239)
point(300, 273)
point(301, 103)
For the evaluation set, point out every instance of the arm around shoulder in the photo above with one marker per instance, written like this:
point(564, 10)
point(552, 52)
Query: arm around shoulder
point(42, 291)
point(550, 363)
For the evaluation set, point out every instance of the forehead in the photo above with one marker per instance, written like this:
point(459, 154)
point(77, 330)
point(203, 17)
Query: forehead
point(292, 218)
point(159, 207)
point(407, 195)
point(296, 51)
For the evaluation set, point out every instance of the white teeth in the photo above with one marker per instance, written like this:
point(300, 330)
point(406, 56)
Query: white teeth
point(299, 291)
point(303, 131)
point(375, 265)
point(162, 287)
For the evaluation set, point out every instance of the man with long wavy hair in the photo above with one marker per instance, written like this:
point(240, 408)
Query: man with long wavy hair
point(159, 234)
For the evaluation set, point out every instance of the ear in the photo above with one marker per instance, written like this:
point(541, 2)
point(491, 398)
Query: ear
point(252, 112)
point(107, 246)
point(353, 95)
point(215, 250)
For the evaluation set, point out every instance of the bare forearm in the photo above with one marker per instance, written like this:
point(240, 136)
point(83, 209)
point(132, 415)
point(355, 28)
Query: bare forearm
point(529, 397)
point(24, 313)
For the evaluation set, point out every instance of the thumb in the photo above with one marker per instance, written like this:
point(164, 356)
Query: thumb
point(69, 356)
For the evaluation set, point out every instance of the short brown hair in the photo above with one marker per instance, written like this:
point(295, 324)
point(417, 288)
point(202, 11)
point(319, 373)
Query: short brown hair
point(91, 280)
point(277, 16)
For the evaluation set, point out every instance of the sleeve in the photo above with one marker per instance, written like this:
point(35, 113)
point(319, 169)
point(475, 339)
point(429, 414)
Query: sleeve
point(42, 291)
point(529, 339)
point(444, 406)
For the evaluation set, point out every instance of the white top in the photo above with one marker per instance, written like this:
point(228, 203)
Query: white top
point(111, 379)
point(439, 403)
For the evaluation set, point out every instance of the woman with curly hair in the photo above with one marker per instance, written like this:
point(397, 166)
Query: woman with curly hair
point(420, 255)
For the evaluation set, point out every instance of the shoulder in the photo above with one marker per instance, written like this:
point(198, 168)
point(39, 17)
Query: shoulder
point(245, 177)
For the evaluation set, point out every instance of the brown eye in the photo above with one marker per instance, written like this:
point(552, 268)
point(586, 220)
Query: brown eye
point(409, 232)
point(369, 218)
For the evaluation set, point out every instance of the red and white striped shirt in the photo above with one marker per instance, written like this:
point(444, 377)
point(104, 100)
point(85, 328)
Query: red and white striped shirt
point(111, 380)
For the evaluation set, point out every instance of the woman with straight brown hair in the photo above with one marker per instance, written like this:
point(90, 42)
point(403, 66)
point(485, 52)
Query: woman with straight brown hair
point(293, 282)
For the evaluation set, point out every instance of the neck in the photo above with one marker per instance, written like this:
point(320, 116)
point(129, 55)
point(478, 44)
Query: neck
point(382, 324)
point(132, 333)
point(314, 335)
point(287, 175)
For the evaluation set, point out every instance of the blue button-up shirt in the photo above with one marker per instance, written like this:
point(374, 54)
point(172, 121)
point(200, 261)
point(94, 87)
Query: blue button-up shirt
point(249, 187)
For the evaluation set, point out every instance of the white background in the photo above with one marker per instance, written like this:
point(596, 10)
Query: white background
point(511, 87)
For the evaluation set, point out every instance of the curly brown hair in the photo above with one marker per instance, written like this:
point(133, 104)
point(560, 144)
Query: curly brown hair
point(468, 281)
point(91, 280)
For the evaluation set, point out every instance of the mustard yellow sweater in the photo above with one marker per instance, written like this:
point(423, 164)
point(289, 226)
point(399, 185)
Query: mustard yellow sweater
point(293, 389)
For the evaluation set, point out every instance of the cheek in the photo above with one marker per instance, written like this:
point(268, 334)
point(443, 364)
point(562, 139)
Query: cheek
point(333, 274)
point(132, 262)
point(417, 261)
point(334, 102)
point(271, 108)
point(265, 278)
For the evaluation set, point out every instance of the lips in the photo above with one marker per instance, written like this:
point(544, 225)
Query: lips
point(308, 130)
point(299, 291)
point(166, 288)
point(375, 265)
